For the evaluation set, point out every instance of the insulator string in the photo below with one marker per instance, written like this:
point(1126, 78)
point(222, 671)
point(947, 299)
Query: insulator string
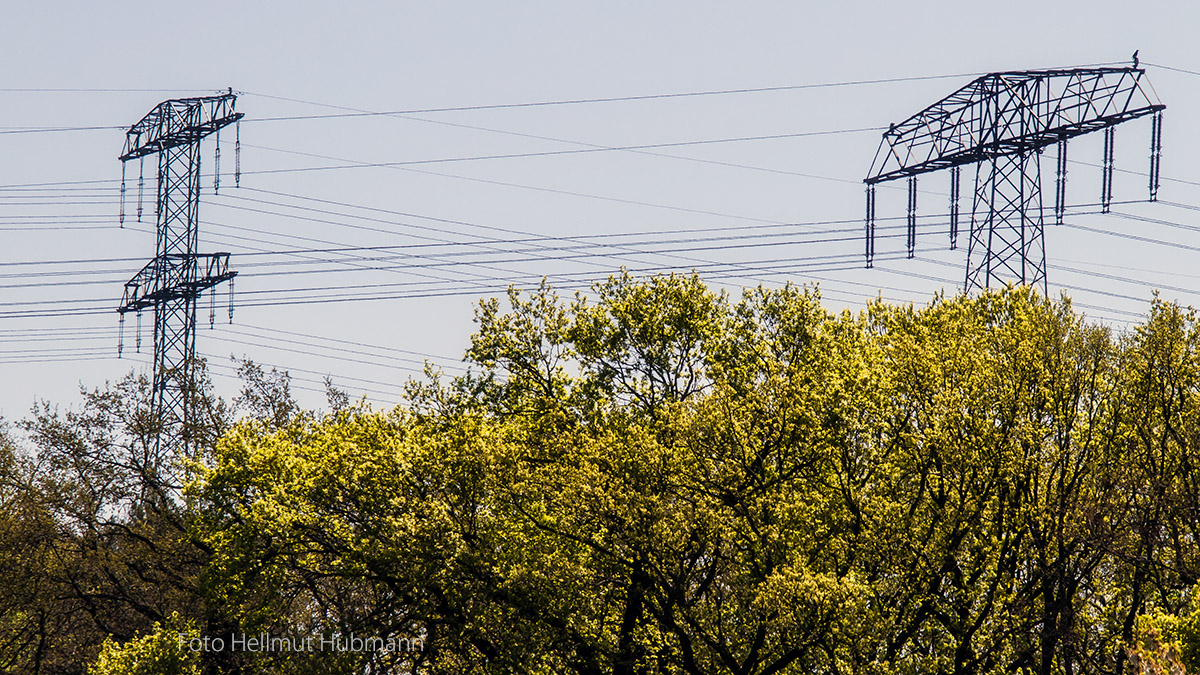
point(121, 216)
point(217, 163)
point(237, 153)
point(141, 185)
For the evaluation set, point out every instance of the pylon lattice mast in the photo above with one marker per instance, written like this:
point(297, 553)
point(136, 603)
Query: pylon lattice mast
point(172, 282)
point(1001, 123)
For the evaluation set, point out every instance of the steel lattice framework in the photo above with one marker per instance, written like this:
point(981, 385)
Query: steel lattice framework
point(172, 282)
point(1001, 123)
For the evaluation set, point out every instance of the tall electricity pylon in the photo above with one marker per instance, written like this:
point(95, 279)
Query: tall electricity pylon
point(174, 279)
point(1001, 123)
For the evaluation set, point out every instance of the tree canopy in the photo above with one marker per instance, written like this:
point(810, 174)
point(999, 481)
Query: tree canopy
point(651, 478)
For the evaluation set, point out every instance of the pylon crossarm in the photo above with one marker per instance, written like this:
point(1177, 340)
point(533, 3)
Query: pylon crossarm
point(1011, 112)
point(149, 286)
point(177, 122)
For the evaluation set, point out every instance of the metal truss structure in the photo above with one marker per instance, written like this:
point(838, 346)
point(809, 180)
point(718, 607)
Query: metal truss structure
point(173, 281)
point(1002, 122)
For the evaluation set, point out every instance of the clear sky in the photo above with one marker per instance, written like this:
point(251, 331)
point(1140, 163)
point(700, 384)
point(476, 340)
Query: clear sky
point(743, 212)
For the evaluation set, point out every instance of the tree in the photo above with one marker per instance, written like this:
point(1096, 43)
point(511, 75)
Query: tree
point(595, 513)
point(98, 539)
point(655, 478)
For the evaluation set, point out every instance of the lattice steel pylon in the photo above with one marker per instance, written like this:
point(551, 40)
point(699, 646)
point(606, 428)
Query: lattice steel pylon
point(173, 281)
point(1002, 122)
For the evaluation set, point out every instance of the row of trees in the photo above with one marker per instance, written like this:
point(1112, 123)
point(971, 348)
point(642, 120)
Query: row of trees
point(655, 479)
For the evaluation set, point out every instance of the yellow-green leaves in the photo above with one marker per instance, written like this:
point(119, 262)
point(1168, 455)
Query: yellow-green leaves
point(173, 647)
point(657, 479)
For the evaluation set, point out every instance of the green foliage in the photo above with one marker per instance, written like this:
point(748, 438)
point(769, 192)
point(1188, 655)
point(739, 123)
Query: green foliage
point(655, 478)
point(163, 651)
point(1165, 643)
point(96, 536)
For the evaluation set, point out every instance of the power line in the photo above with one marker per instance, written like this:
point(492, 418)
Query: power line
point(44, 130)
point(104, 90)
point(554, 153)
point(1177, 70)
point(780, 266)
point(356, 112)
point(353, 113)
point(641, 251)
point(353, 343)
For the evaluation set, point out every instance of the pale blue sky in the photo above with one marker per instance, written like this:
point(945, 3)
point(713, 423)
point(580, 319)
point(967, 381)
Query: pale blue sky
point(301, 58)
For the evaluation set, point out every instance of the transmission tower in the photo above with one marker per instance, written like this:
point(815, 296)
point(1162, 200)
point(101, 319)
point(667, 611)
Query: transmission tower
point(173, 281)
point(1001, 123)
